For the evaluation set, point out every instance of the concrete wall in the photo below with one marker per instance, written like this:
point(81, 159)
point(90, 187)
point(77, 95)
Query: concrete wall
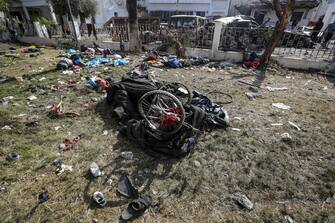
point(288, 62)
point(38, 41)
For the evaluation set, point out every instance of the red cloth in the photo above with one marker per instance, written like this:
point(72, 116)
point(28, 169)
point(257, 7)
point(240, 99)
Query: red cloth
point(103, 84)
point(252, 64)
point(170, 120)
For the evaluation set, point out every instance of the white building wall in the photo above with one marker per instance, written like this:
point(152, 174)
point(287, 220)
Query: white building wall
point(107, 9)
point(210, 7)
point(329, 14)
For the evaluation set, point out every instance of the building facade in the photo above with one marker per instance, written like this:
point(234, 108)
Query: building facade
point(306, 12)
point(166, 8)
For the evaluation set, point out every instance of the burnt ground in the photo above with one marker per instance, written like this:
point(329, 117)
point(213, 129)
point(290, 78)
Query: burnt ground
point(295, 179)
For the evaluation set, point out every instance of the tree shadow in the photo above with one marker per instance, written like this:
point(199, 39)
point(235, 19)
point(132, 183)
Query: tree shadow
point(29, 76)
point(260, 77)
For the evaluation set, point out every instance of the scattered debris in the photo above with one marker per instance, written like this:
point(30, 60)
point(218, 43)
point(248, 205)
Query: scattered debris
point(57, 162)
point(109, 182)
point(57, 128)
point(237, 118)
point(94, 99)
point(57, 110)
point(7, 99)
point(276, 124)
point(330, 200)
point(289, 219)
point(68, 144)
point(294, 126)
point(128, 155)
point(242, 200)
point(94, 170)
point(6, 127)
point(236, 129)
point(32, 97)
point(276, 88)
point(62, 168)
point(286, 137)
point(68, 72)
point(307, 82)
point(251, 96)
point(12, 156)
point(32, 124)
point(196, 163)
point(105, 132)
point(42, 79)
point(43, 197)
point(281, 106)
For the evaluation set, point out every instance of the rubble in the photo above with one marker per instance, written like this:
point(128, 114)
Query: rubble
point(32, 98)
point(6, 127)
point(94, 170)
point(281, 106)
point(196, 163)
point(294, 126)
point(242, 200)
point(289, 219)
point(286, 137)
point(251, 96)
point(271, 89)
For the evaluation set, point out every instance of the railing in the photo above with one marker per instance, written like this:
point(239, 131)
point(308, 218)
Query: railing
point(295, 44)
point(195, 38)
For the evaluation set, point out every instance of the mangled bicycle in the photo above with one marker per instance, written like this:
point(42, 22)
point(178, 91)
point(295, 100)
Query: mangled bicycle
point(163, 109)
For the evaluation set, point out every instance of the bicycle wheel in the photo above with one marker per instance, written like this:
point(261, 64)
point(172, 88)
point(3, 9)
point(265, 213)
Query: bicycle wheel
point(162, 110)
point(181, 91)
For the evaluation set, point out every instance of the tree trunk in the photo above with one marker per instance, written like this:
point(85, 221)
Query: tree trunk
point(134, 38)
point(283, 16)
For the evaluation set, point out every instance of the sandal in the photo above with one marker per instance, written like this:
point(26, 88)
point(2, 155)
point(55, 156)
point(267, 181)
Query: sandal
point(135, 209)
point(99, 198)
point(125, 188)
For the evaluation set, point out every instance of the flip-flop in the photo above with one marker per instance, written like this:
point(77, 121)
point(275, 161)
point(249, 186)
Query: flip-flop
point(99, 198)
point(125, 188)
point(43, 197)
point(135, 209)
point(13, 156)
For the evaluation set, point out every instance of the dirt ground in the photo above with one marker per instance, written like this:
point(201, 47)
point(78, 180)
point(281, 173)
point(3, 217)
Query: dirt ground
point(295, 179)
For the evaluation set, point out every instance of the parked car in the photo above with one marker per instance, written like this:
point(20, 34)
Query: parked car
point(243, 32)
point(189, 28)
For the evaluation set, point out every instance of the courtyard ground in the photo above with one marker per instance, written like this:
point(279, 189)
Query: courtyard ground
point(282, 179)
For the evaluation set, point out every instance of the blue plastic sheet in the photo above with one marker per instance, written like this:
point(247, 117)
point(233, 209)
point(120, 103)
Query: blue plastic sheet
point(97, 61)
point(120, 62)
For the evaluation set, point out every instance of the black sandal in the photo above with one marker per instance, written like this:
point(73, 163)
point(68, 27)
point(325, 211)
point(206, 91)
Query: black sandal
point(135, 209)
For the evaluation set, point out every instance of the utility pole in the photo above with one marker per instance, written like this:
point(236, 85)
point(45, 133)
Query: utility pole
point(72, 21)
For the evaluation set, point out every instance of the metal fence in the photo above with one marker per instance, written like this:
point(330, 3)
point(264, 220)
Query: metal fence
point(293, 44)
point(195, 38)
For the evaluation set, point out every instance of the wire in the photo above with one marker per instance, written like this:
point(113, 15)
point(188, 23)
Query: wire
point(222, 93)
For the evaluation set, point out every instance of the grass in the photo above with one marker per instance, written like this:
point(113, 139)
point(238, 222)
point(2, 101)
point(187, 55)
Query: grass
point(280, 178)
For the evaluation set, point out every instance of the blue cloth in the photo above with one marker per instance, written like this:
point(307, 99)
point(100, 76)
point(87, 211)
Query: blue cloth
point(97, 61)
point(174, 63)
point(91, 84)
point(120, 62)
point(71, 51)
